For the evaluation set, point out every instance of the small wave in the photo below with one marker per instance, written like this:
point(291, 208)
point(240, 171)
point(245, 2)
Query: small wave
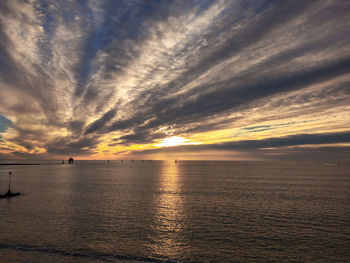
point(330, 164)
point(107, 257)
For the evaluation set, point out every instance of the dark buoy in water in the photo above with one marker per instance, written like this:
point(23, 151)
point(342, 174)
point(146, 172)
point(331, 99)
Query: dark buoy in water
point(9, 193)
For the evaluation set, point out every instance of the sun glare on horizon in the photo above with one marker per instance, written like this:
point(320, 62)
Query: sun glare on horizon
point(174, 141)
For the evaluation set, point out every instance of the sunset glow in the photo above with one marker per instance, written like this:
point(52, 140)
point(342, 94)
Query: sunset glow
point(172, 141)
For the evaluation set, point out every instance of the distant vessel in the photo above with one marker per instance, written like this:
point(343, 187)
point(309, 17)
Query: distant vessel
point(175, 160)
point(71, 160)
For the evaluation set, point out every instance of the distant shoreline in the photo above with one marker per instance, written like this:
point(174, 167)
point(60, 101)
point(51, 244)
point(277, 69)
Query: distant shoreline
point(20, 164)
point(29, 163)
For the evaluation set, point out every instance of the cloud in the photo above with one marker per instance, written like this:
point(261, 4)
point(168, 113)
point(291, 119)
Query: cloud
point(65, 146)
point(296, 147)
point(293, 140)
point(76, 77)
point(98, 124)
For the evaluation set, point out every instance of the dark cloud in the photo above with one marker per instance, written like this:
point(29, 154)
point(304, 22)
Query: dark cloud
point(125, 124)
point(65, 146)
point(141, 137)
point(76, 126)
point(8, 68)
point(294, 140)
point(326, 154)
point(98, 124)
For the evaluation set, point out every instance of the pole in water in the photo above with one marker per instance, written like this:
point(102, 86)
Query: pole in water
point(10, 181)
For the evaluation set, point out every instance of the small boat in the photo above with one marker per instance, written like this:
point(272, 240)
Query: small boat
point(175, 160)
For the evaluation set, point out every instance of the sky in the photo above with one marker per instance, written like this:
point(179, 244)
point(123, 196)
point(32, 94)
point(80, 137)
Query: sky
point(188, 79)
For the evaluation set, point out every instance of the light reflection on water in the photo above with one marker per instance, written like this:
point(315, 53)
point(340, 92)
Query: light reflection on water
point(169, 212)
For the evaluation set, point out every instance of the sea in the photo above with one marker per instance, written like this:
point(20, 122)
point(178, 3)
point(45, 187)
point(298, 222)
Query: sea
point(189, 211)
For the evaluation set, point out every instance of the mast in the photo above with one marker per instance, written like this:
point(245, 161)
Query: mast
point(10, 181)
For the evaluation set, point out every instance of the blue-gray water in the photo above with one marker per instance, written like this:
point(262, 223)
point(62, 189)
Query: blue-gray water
point(185, 212)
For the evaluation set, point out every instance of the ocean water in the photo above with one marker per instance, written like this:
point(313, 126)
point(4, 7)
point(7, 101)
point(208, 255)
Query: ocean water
point(192, 211)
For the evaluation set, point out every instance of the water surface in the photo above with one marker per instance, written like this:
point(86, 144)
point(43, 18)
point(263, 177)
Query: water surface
point(192, 211)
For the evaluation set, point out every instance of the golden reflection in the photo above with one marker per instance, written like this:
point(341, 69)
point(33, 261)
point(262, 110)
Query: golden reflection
point(169, 214)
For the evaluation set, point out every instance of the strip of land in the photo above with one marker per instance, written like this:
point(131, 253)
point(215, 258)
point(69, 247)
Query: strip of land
point(28, 163)
point(19, 163)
